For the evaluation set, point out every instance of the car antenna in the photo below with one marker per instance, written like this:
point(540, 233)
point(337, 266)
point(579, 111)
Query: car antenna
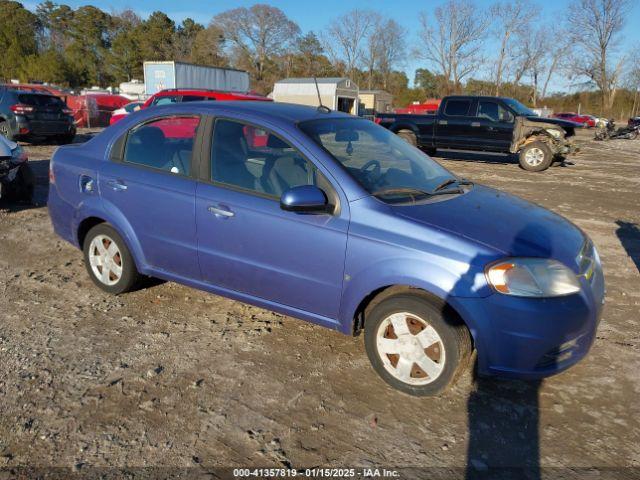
point(321, 107)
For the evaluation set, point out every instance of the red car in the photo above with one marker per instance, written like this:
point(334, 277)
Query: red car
point(585, 120)
point(177, 95)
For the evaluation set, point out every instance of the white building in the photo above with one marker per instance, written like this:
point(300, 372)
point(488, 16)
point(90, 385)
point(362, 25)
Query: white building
point(336, 93)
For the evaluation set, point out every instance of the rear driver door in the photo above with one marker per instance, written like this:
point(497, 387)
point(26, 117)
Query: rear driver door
point(148, 182)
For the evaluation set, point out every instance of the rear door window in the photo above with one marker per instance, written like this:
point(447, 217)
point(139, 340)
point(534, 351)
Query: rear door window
point(457, 108)
point(164, 144)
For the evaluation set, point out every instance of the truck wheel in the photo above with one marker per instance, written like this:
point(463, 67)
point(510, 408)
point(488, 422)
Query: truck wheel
point(108, 260)
point(5, 131)
point(408, 136)
point(414, 347)
point(536, 157)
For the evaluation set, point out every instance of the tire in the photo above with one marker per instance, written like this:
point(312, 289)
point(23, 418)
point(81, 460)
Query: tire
point(535, 157)
point(5, 130)
point(115, 281)
point(446, 353)
point(25, 184)
point(408, 136)
point(64, 139)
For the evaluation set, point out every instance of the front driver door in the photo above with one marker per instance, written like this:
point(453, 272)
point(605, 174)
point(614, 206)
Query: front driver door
point(247, 243)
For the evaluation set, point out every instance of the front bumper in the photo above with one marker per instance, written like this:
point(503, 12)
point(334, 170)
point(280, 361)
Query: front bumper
point(534, 338)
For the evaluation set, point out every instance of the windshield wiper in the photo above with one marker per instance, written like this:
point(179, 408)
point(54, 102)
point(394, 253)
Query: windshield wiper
point(407, 190)
point(450, 181)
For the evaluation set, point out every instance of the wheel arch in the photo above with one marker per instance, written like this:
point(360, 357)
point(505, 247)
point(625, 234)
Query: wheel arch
point(397, 127)
point(369, 302)
point(119, 223)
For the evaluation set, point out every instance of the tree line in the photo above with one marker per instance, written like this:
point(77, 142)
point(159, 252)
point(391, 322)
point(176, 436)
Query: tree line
point(88, 46)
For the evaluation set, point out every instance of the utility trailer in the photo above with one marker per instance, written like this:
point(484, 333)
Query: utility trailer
point(162, 75)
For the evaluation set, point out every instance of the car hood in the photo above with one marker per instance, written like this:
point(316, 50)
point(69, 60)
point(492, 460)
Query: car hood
point(502, 222)
point(555, 121)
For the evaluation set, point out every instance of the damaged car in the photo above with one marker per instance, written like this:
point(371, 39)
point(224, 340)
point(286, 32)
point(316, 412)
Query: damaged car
point(16, 178)
point(487, 124)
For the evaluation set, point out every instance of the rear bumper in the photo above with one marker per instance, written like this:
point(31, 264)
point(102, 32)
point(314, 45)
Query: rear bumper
point(533, 338)
point(23, 128)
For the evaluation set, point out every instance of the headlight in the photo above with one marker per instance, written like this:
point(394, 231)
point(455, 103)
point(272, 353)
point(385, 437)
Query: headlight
point(554, 133)
point(532, 277)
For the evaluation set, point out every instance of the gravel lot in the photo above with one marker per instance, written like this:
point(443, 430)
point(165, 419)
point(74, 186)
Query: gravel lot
point(172, 377)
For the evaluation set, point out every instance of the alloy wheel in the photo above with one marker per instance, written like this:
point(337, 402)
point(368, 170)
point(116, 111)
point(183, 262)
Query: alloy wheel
point(105, 260)
point(534, 156)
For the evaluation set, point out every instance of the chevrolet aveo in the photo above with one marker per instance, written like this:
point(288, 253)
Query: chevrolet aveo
point(332, 219)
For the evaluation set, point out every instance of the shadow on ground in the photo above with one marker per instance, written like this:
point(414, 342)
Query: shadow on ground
point(629, 235)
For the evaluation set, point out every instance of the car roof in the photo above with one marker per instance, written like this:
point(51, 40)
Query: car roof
point(287, 112)
point(204, 93)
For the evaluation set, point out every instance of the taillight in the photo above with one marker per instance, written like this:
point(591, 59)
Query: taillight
point(377, 120)
point(21, 108)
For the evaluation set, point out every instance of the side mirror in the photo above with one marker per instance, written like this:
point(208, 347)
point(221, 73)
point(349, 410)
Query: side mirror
point(305, 199)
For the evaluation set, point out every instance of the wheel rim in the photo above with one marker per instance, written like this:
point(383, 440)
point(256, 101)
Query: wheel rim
point(534, 156)
point(105, 260)
point(410, 349)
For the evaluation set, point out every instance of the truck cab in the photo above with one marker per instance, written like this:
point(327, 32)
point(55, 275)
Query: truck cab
point(490, 124)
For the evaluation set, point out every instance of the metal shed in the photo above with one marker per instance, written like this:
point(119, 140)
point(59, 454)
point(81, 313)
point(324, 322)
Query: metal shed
point(337, 93)
point(375, 101)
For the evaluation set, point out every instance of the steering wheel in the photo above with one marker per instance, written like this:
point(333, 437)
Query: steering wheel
point(374, 172)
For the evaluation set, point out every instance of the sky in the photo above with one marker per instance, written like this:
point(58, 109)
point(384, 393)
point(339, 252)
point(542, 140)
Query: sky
point(314, 16)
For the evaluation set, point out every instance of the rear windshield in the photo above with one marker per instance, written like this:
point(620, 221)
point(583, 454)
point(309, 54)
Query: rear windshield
point(40, 100)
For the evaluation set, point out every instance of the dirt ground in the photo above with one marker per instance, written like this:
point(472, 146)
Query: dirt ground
point(170, 377)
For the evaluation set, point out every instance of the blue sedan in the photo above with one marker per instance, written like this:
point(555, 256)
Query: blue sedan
point(332, 219)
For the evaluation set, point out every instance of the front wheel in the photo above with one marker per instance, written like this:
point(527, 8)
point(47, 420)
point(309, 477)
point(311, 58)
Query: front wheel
point(536, 157)
point(414, 346)
point(108, 260)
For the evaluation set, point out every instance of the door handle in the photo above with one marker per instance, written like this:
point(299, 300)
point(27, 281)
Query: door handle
point(117, 185)
point(475, 124)
point(220, 212)
point(442, 122)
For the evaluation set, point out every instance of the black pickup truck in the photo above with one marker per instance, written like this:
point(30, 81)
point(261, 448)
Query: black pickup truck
point(490, 124)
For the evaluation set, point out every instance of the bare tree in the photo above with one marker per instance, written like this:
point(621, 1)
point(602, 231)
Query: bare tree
point(392, 48)
point(259, 33)
point(511, 18)
point(595, 27)
point(346, 36)
point(452, 43)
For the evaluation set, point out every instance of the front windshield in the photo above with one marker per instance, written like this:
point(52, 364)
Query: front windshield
point(519, 108)
point(384, 164)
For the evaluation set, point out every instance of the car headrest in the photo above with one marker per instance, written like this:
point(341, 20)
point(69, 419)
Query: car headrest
point(276, 142)
point(151, 136)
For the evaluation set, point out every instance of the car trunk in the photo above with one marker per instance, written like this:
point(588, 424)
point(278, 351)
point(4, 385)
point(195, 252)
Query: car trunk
point(47, 114)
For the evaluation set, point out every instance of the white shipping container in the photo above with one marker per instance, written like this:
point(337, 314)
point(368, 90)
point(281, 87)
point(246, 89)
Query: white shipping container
point(162, 75)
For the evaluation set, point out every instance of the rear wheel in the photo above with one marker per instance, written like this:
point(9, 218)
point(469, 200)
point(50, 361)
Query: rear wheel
point(408, 136)
point(536, 157)
point(414, 346)
point(108, 260)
